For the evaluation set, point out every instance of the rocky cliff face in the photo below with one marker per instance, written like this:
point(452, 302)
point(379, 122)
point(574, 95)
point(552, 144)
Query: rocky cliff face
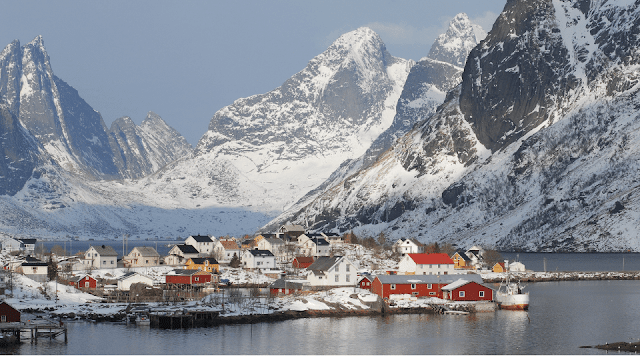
point(535, 150)
point(71, 132)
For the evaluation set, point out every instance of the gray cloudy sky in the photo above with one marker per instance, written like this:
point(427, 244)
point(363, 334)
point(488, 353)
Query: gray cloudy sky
point(185, 60)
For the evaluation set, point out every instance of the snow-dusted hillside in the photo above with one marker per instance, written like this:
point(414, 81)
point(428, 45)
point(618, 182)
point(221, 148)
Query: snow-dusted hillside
point(424, 90)
point(281, 144)
point(537, 149)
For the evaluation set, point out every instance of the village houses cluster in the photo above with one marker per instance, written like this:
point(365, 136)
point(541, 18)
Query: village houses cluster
point(195, 266)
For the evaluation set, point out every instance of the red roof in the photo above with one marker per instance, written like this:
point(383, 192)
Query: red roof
point(437, 258)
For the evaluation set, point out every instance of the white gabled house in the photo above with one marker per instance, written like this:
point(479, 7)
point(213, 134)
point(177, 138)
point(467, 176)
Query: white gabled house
point(179, 254)
point(128, 279)
point(142, 256)
point(35, 269)
point(273, 244)
point(316, 246)
point(202, 243)
point(100, 257)
point(408, 246)
point(332, 271)
point(426, 264)
point(258, 259)
point(225, 249)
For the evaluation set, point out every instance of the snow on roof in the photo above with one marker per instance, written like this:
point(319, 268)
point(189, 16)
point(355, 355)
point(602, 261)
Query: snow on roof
point(456, 284)
point(104, 250)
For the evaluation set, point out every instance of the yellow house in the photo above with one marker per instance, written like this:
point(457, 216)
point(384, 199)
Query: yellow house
point(205, 264)
point(460, 260)
point(498, 267)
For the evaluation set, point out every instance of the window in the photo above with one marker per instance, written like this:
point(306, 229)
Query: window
point(146, 261)
point(413, 286)
point(197, 278)
point(481, 294)
point(461, 294)
point(4, 318)
point(429, 286)
point(414, 293)
point(86, 284)
point(393, 286)
point(348, 278)
point(430, 266)
point(337, 278)
point(432, 293)
point(111, 262)
point(104, 262)
point(348, 269)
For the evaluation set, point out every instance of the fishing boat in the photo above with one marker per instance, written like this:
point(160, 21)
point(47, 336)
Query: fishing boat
point(510, 295)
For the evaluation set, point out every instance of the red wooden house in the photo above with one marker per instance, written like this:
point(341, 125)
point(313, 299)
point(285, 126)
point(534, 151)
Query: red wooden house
point(188, 277)
point(467, 290)
point(8, 313)
point(366, 281)
point(302, 262)
point(416, 285)
point(86, 282)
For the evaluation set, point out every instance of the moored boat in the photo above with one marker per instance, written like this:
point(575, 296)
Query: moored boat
point(510, 295)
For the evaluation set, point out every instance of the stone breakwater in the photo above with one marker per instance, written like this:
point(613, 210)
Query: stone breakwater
point(568, 276)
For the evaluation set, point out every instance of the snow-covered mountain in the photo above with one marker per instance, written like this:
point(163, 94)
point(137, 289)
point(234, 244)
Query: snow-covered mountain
point(424, 90)
point(536, 149)
point(71, 132)
point(275, 147)
point(260, 153)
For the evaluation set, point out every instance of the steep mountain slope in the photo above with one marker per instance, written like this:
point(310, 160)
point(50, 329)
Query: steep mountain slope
point(71, 132)
point(537, 149)
point(425, 88)
point(145, 149)
point(286, 142)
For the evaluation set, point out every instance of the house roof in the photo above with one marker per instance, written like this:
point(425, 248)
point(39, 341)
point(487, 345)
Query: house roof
point(184, 272)
point(291, 227)
point(304, 259)
point(187, 249)
point(28, 241)
point(320, 241)
point(428, 279)
point(34, 264)
point(456, 284)
point(324, 263)
point(104, 250)
point(229, 245)
point(462, 255)
point(402, 241)
point(131, 274)
point(201, 238)
point(200, 261)
point(147, 251)
point(261, 253)
point(437, 258)
point(285, 284)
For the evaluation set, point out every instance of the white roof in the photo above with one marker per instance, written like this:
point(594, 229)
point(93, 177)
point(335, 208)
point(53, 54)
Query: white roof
point(456, 284)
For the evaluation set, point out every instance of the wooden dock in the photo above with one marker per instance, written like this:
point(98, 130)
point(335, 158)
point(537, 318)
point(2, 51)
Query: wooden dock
point(13, 333)
point(183, 320)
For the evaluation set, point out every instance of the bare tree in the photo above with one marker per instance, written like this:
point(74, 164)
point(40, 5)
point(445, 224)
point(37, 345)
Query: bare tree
point(491, 257)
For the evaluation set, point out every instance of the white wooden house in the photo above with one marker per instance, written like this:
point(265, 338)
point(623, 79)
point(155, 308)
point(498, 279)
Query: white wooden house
point(258, 259)
point(274, 245)
point(203, 243)
point(408, 246)
point(35, 269)
point(225, 249)
point(100, 257)
point(128, 279)
point(315, 247)
point(142, 256)
point(179, 254)
point(426, 264)
point(332, 271)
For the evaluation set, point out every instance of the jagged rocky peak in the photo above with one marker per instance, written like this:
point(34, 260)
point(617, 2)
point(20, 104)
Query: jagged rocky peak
point(453, 46)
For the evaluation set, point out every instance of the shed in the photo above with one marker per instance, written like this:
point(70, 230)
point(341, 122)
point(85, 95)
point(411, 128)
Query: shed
point(467, 290)
point(8, 313)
